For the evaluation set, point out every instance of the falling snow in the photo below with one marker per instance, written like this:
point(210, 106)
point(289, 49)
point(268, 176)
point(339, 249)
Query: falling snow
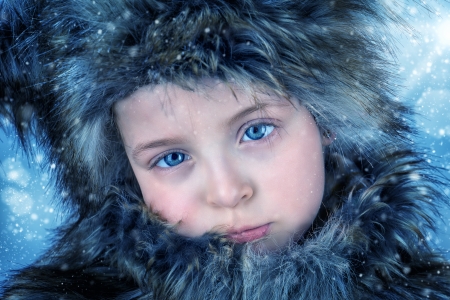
point(27, 214)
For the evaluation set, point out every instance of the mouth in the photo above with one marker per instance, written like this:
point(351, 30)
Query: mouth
point(245, 235)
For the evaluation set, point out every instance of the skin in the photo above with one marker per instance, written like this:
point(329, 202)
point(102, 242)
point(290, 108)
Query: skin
point(230, 179)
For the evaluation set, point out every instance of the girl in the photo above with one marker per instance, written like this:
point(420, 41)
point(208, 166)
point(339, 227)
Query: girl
point(221, 150)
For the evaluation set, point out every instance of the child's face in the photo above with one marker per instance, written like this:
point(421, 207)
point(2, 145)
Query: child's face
point(207, 161)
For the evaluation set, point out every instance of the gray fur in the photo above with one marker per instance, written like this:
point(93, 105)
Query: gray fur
point(65, 63)
point(372, 247)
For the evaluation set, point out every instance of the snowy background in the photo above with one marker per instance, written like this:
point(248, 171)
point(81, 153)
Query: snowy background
point(27, 214)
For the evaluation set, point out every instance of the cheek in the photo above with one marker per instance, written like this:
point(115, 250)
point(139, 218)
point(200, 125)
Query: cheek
point(177, 205)
point(300, 169)
point(296, 183)
point(301, 181)
point(162, 199)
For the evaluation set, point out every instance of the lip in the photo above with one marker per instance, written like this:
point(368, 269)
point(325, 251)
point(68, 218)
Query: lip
point(248, 234)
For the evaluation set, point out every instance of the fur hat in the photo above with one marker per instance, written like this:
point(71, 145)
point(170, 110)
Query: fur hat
point(64, 64)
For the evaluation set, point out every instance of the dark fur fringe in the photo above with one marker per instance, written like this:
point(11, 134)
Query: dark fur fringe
point(371, 247)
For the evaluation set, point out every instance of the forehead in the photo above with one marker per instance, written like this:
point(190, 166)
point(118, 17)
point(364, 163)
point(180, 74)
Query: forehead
point(209, 96)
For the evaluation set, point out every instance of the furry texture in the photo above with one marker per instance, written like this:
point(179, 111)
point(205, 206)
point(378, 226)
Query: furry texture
point(65, 63)
point(372, 247)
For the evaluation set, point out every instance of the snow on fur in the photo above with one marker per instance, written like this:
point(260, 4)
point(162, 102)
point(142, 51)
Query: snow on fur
point(64, 63)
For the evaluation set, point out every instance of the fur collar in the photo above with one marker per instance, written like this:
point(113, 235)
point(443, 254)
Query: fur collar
point(372, 246)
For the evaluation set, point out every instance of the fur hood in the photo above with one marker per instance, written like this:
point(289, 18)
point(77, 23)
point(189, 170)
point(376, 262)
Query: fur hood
point(64, 63)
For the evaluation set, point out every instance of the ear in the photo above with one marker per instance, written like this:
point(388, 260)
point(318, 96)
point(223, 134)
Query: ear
point(328, 137)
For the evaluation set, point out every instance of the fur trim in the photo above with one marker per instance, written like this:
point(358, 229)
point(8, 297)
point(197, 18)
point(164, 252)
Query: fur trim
point(19, 65)
point(372, 247)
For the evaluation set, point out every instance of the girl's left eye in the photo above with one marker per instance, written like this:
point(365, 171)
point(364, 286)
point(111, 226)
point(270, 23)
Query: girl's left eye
point(172, 159)
point(257, 132)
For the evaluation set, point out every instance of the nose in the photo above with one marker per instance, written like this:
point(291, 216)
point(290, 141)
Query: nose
point(227, 183)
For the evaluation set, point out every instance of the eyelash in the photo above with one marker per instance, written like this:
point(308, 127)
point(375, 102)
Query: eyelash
point(253, 123)
point(244, 127)
point(161, 156)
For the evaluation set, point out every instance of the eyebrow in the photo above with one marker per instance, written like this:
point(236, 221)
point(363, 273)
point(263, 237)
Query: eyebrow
point(246, 112)
point(141, 147)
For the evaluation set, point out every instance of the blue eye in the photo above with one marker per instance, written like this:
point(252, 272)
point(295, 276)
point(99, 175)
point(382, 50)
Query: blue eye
point(257, 132)
point(172, 159)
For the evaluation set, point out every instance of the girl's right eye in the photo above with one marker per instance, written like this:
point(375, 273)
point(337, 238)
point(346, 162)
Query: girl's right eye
point(172, 159)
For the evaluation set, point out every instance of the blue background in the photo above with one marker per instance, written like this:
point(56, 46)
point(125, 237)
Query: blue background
point(27, 214)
